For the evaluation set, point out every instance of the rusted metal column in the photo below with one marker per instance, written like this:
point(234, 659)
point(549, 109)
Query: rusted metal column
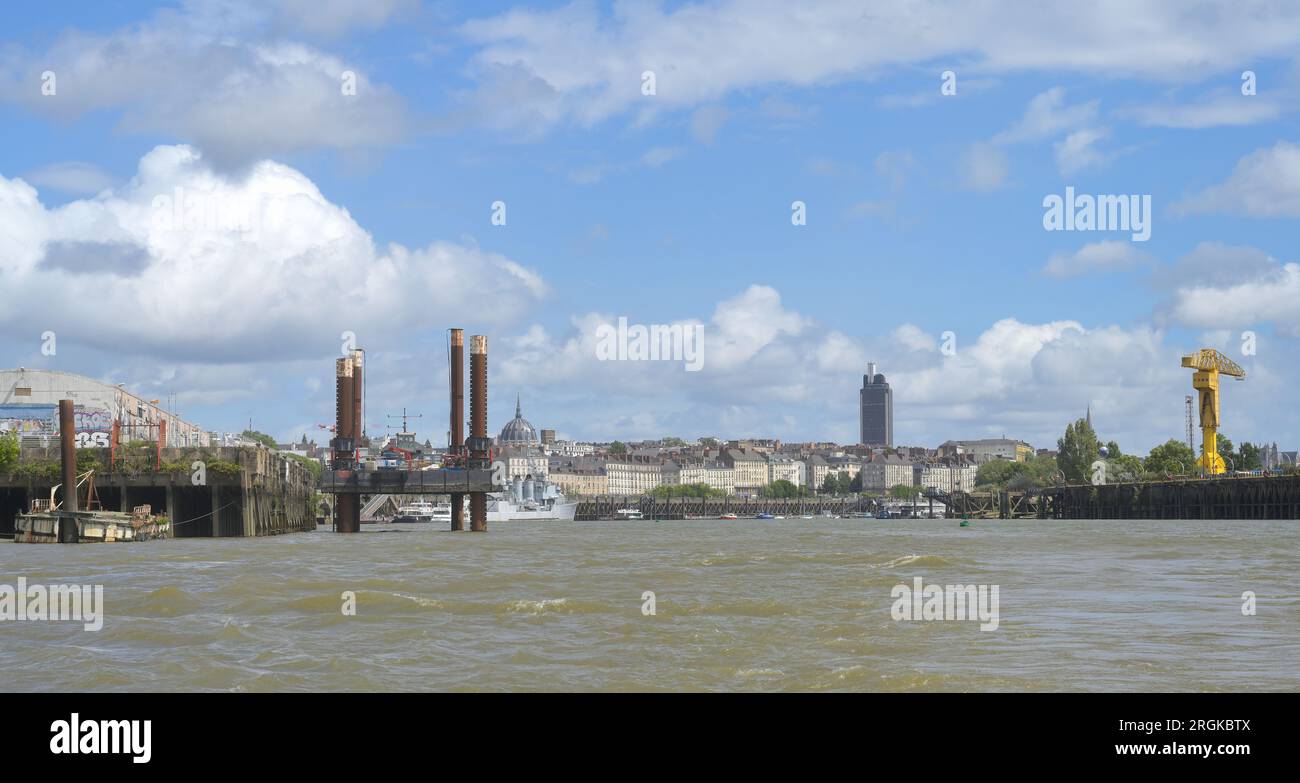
point(68, 453)
point(347, 506)
point(479, 455)
point(358, 420)
point(456, 443)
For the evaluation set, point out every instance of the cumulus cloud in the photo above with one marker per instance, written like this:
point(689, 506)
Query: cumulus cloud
point(773, 371)
point(1216, 264)
point(1275, 302)
point(1265, 183)
point(75, 177)
point(191, 263)
point(259, 97)
point(1219, 286)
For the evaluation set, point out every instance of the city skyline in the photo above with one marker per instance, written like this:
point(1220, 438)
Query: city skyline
point(923, 243)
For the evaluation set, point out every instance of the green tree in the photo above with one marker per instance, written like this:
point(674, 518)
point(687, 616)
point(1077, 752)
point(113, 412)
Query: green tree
point(618, 447)
point(260, 437)
point(686, 491)
point(1125, 467)
point(8, 451)
point(1171, 457)
point(1076, 451)
point(1249, 457)
point(313, 466)
point(1226, 450)
point(1112, 449)
point(781, 488)
point(1043, 469)
point(904, 491)
point(998, 472)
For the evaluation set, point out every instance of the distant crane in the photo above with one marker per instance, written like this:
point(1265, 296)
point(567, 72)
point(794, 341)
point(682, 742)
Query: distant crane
point(404, 418)
point(1209, 364)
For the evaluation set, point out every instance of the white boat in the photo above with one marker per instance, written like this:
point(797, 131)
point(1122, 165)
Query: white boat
point(628, 513)
point(442, 512)
point(418, 511)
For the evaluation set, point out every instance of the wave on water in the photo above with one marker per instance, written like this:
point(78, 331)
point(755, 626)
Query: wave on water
point(920, 561)
point(167, 601)
point(759, 673)
point(540, 607)
point(743, 609)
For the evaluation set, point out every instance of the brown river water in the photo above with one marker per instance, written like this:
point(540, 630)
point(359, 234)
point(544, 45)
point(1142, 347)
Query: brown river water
point(739, 605)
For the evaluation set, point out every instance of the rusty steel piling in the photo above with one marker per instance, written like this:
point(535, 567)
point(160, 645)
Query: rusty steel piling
point(479, 447)
point(358, 421)
point(456, 438)
point(347, 507)
point(68, 453)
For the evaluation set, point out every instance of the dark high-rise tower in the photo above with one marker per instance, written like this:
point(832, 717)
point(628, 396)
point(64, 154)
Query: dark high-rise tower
point(876, 405)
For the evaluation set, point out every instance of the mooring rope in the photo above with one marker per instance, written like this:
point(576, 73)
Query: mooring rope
point(210, 513)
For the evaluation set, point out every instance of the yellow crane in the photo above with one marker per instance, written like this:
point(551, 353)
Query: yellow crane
point(1209, 365)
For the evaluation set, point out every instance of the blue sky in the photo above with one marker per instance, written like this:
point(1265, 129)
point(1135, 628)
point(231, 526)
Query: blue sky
point(924, 210)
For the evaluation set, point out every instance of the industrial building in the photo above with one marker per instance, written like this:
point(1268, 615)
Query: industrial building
point(988, 449)
point(876, 409)
point(29, 403)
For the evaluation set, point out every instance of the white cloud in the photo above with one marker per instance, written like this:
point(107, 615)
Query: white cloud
point(1223, 108)
point(138, 280)
point(774, 372)
point(1219, 286)
point(1275, 302)
point(1265, 183)
point(983, 167)
point(707, 122)
point(71, 177)
point(911, 338)
point(1216, 264)
point(1048, 115)
point(1105, 256)
point(658, 156)
point(212, 79)
point(1079, 151)
point(703, 51)
point(332, 18)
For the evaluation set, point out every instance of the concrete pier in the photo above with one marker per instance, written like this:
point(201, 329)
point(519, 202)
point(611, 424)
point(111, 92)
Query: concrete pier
point(247, 491)
point(1246, 497)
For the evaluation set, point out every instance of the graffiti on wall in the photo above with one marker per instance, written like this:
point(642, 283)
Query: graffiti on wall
point(34, 419)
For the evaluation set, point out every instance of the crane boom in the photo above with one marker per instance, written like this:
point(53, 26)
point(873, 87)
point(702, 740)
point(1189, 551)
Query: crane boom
point(1210, 359)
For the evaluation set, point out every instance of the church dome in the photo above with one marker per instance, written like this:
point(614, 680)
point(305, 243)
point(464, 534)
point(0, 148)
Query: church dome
point(517, 432)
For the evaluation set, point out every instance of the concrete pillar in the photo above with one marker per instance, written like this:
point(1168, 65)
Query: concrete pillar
point(248, 508)
point(216, 513)
point(68, 453)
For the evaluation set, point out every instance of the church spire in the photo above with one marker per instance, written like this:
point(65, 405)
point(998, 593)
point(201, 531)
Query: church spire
point(519, 413)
